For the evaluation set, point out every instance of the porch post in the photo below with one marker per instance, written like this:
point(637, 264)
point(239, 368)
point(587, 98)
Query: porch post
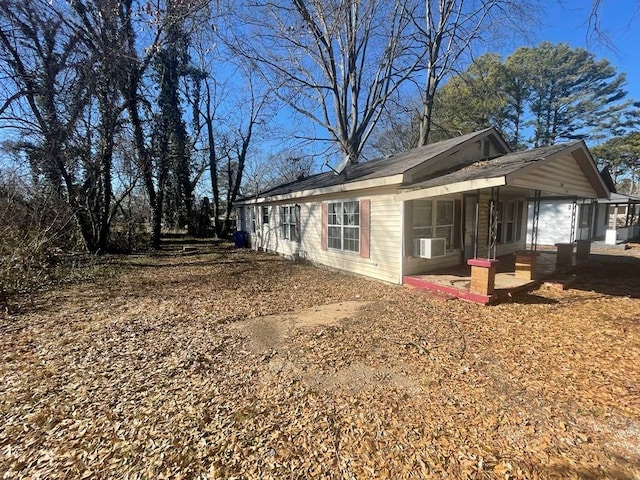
point(611, 235)
point(534, 223)
point(572, 235)
point(483, 276)
point(483, 271)
point(583, 250)
point(493, 224)
point(526, 264)
point(564, 256)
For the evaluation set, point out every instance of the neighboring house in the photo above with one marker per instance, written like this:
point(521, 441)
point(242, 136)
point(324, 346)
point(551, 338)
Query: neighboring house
point(431, 207)
point(617, 220)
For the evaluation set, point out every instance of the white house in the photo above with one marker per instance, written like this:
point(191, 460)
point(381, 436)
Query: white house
point(421, 210)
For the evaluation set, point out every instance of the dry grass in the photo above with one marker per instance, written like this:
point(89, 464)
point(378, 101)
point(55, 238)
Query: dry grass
point(159, 371)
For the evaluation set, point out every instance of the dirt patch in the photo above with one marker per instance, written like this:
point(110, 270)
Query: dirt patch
point(270, 331)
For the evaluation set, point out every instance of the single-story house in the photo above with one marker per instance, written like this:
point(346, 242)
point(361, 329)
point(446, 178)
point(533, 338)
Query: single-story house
point(421, 210)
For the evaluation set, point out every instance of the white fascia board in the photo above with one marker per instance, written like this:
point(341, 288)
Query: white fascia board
point(456, 187)
point(345, 187)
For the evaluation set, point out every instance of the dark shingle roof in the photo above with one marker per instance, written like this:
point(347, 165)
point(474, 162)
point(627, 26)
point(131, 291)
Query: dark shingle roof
point(496, 167)
point(379, 168)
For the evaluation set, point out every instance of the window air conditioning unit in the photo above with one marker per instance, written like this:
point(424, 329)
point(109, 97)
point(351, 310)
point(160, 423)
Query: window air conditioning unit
point(430, 247)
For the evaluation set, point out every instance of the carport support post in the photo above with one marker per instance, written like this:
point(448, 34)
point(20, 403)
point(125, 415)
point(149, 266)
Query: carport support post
point(483, 276)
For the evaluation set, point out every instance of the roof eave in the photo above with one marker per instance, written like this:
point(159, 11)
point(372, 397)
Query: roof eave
point(344, 187)
point(450, 188)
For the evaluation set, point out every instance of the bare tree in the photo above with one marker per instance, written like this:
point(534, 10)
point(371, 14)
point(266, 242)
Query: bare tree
point(449, 29)
point(334, 62)
point(52, 111)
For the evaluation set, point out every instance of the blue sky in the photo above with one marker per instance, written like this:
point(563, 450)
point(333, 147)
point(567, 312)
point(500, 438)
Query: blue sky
point(567, 21)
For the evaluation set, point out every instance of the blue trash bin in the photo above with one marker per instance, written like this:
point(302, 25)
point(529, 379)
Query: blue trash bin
point(240, 238)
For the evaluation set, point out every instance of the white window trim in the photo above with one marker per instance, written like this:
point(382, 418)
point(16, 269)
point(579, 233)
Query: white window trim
point(253, 227)
point(517, 219)
point(343, 227)
point(434, 222)
point(286, 226)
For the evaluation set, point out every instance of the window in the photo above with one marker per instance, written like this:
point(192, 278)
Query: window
point(290, 221)
point(265, 215)
point(252, 218)
point(433, 219)
point(584, 215)
point(444, 221)
point(422, 219)
point(509, 221)
point(343, 226)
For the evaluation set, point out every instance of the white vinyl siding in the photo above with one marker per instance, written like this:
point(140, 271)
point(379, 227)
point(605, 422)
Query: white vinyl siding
point(385, 237)
point(563, 176)
point(554, 222)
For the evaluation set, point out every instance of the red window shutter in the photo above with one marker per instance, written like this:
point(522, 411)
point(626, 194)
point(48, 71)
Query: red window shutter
point(324, 225)
point(365, 230)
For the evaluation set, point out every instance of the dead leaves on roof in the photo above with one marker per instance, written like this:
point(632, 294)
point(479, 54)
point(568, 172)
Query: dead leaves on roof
point(192, 368)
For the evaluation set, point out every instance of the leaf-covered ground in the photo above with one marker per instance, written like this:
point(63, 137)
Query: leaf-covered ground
point(235, 364)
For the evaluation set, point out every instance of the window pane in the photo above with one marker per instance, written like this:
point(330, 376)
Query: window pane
point(509, 229)
point(584, 215)
point(422, 232)
point(422, 213)
point(351, 213)
point(519, 221)
point(334, 216)
point(508, 214)
point(445, 213)
point(352, 239)
point(334, 237)
point(445, 232)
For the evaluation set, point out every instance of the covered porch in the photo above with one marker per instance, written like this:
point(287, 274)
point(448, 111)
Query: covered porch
point(475, 220)
point(456, 281)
